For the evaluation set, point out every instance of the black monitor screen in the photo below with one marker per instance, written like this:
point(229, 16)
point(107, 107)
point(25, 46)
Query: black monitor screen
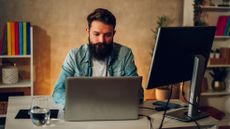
point(174, 52)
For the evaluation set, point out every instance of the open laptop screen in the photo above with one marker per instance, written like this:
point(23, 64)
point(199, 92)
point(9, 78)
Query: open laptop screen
point(102, 98)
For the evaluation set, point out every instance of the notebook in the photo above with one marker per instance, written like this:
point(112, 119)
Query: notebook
point(102, 98)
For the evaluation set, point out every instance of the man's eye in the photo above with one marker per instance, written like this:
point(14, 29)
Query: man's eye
point(108, 35)
point(96, 34)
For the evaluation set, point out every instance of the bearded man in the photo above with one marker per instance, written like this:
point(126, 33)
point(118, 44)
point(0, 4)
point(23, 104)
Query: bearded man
point(101, 56)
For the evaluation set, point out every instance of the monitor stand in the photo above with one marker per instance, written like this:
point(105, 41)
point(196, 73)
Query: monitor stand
point(192, 113)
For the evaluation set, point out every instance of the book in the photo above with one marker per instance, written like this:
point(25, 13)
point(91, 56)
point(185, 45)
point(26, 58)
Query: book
point(28, 38)
point(4, 43)
point(24, 38)
point(8, 38)
point(31, 38)
point(221, 24)
point(217, 114)
point(228, 55)
point(226, 30)
point(224, 55)
point(16, 25)
point(20, 38)
point(2, 39)
point(12, 38)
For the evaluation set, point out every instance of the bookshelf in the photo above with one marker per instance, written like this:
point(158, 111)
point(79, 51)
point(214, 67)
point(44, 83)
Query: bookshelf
point(213, 93)
point(24, 86)
point(218, 65)
point(207, 7)
point(222, 37)
point(20, 84)
point(25, 66)
point(2, 115)
point(15, 56)
point(209, 15)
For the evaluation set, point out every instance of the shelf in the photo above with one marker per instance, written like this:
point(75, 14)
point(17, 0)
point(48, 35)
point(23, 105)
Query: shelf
point(212, 93)
point(218, 65)
point(222, 37)
point(2, 115)
point(23, 83)
point(15, 56)
point(215, 8)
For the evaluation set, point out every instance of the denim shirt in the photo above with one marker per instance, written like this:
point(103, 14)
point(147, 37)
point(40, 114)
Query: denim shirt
point(78, 63)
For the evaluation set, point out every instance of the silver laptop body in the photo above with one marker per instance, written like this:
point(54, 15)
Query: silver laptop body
point(102, 98)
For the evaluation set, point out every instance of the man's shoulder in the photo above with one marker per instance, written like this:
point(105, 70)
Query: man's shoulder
point(79, 51)
point(121, 48)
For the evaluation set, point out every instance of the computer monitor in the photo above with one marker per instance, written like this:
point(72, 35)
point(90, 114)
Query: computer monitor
point(181, 54)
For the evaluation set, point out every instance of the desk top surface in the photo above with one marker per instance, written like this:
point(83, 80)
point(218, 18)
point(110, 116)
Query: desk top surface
point(17, 103)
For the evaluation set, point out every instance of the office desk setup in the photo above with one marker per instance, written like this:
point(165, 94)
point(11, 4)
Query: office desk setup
point(24, 102)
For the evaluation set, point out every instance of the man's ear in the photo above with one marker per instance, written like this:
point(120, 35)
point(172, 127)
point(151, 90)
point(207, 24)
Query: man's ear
point(87, 29)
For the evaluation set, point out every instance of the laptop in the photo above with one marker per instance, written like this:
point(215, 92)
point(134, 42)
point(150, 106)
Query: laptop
point(102, 98)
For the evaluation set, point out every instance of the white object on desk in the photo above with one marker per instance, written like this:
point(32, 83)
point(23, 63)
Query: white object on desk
point(23, 102)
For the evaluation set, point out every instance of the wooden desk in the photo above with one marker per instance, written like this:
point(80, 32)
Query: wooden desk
point(17, 103)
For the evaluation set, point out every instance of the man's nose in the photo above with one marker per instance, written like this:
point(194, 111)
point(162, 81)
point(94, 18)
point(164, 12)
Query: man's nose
point(101, 39)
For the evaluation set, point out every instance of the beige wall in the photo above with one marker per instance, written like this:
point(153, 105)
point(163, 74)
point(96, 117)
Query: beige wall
point(60, 25)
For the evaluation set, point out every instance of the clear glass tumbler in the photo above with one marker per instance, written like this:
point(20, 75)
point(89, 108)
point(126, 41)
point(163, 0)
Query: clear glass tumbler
point(40, 112)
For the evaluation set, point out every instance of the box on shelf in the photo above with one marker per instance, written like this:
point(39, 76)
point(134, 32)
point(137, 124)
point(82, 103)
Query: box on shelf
point(3, 107)
point(224, 57)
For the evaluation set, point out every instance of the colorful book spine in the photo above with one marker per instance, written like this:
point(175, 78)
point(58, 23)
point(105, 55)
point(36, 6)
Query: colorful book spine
point(24, 38)
point(28, 38)
point(16, 38)
point(16, 25)
point(226, 30)
point(12, 38)
point(4, 44)
point(8, 38)
point(20, 38)
point(221, 25)
point(2, 39)
point(31, 39)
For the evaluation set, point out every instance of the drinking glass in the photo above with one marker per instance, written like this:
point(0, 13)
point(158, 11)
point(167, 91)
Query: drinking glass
point(39, 112)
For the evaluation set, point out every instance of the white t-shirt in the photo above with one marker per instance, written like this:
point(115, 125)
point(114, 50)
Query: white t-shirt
point(99, 68)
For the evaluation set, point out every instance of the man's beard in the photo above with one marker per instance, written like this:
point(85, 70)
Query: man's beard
point(100, 50)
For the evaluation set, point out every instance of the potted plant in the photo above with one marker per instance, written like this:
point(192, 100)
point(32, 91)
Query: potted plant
point(197, 13)
point(219, 75)
point(162, 21)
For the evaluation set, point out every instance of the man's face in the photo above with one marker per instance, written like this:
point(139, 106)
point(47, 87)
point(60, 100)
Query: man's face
point(100, 32)
point(100, 39)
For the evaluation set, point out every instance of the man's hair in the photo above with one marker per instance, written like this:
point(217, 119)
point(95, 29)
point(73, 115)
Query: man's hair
point(102, 15)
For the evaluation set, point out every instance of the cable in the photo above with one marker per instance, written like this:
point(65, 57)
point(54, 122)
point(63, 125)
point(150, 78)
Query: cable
point(197, 124)
point(162, 120)
point(183, 94)
point(150, 120)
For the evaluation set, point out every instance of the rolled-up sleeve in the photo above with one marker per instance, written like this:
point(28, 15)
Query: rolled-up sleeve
point(130, 67)
point(131, 70)
point(67, 70)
